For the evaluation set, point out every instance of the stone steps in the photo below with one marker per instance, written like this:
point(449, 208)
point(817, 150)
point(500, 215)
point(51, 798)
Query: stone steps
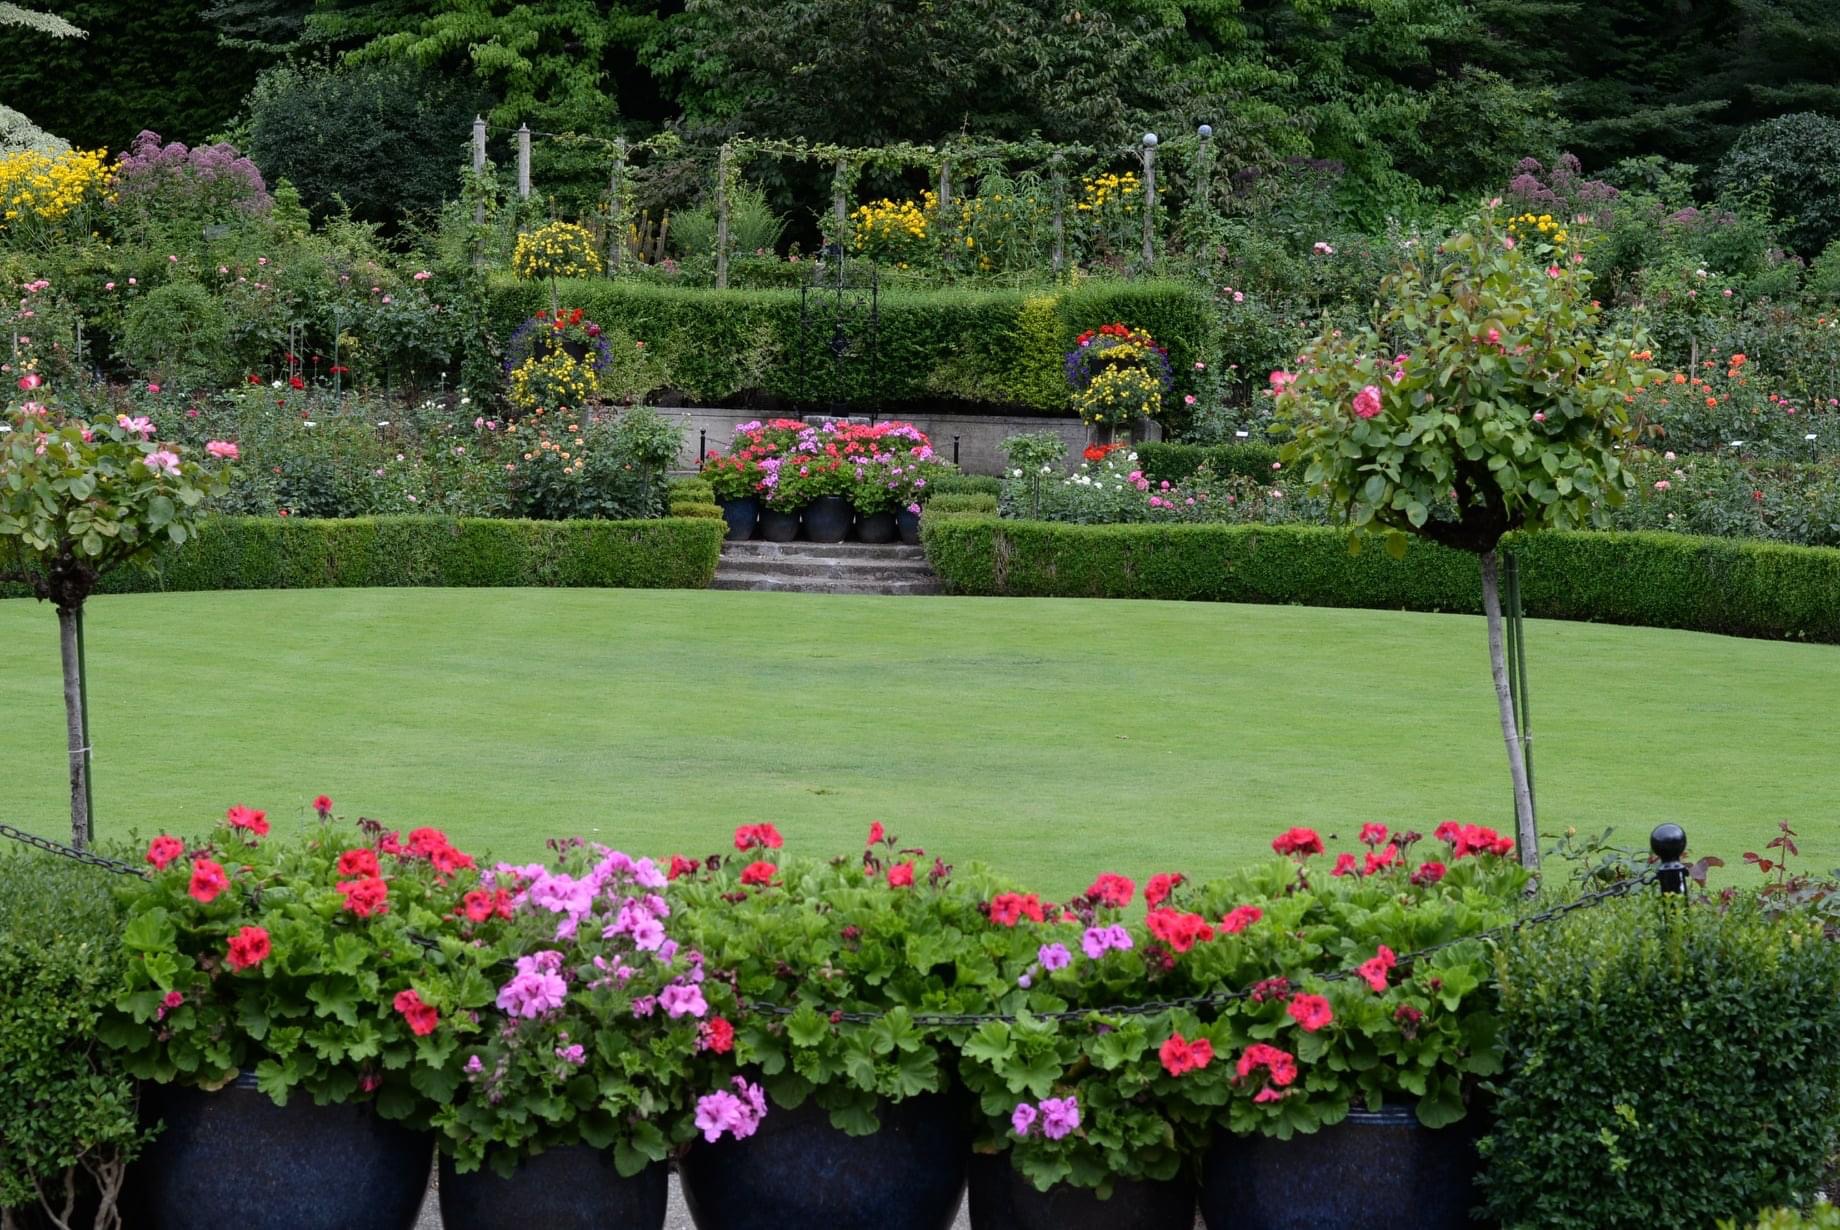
point(825, 568)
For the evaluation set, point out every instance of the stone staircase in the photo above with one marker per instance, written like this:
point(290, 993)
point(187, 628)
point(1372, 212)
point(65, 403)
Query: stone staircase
point(825, 568)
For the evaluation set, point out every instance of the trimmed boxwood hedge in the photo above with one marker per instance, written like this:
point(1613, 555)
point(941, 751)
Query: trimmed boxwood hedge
point(998, 348)
point(300, 553)
point(1733, 586)
point(1173, 463)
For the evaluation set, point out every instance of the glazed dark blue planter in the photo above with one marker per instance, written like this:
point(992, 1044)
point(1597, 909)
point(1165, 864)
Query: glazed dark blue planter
point(778, 525)
point(741, 516)
point(1373, 1171)
point(1002, 1199)
point(570, 1188)
point(877, 527)
point(233, 1160)
point(909, 523)
point(827, 518)
point(798, 1171)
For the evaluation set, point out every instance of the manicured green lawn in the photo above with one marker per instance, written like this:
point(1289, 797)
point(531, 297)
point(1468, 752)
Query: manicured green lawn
point(1049, 738)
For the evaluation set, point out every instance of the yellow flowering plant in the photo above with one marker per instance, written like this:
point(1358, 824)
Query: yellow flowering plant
point(555, 379)
point(1108, 216)
point(46, 198)
point(893, 232)
point(558, 250)
point(1118, 396)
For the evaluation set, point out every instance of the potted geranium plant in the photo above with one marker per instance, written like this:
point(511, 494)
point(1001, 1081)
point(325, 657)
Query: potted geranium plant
point(1304, 1079)
point(756, 453)
point(833, 961)
point(813, 477)
point(293, 1005)
point(735, 480)
point(1074, 1126)
point(573, 1097)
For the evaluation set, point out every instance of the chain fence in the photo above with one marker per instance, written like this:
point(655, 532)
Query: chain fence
point(925, 1020)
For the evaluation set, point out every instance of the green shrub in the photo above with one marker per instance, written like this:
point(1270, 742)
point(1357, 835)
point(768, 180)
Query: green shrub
point(1821, 1217)
point(64, 1103)
point(965, 484)
point(696, 508)
point(1175, 463)
point(995, 347)
point(1667, 1064)
point(694, 489)
point(968, 502)
point(1794, 161)
point(178, 334)
point(1656, 580)
point(299, 553)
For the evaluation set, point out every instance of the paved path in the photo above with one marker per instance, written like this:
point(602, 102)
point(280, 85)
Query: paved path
point(676, 1217)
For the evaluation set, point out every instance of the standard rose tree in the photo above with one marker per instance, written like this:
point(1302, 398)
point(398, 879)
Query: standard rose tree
point(78, 500)
point(1488, 396)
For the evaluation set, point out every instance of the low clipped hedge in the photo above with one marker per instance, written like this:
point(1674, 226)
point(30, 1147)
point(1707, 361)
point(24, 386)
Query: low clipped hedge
point(999, 348)
point(1175, 463)
point(300, 553)
point(1734, 586)
point(967, 502)
point(965, 484)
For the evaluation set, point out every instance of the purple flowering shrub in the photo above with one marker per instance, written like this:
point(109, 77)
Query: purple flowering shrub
point(171, 181)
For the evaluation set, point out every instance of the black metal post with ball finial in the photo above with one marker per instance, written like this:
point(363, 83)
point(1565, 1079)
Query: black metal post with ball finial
point(1668, 842)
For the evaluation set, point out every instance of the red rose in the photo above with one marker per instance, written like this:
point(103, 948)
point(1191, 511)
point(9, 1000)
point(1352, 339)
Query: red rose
point(162, 850)
point(248, 947)
point(296, 382)
point(208, 880)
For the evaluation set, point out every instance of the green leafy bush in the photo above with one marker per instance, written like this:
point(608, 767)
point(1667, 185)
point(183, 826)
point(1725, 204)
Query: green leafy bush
point(966, 502)
point(298, 553)
point(1792, 161)
point(998, 347)
point(1163, 462)
point(1655, 580)
point(1665, 1061)
point(65, 1103)
point(178, 333)
point(965, 484)
point(698, 508)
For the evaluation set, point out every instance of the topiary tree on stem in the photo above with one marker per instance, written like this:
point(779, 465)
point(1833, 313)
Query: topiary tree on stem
point(1486, 397)
point(77, 501)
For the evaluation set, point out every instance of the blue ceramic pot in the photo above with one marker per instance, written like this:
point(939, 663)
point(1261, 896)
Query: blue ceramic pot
point(778, 524)
point(827, 518)
point(909, 523)
point(741, 516)
point(233, 1160)
point(877, 527)
point(798, 1171)
point(569, 1188)
point(1002, 1199)
point(1379, 1170)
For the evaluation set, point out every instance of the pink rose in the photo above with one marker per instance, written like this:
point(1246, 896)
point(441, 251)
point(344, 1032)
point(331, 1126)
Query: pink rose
point(1367, 402)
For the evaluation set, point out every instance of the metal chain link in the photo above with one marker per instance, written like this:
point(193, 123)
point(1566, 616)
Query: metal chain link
point(71, 852)
point(941, 1020)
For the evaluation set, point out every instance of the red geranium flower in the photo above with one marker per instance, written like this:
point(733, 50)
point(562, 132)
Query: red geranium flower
point(681, 866)
point(248, 947)
point(716, 1035)
point(366, 897)
point(1429, 873)
point(1311, 1012)
point(1374, 860)
point(208, 880)
point(1158, 889)
point(241, 817)
point(1239, 918)
point(476, 905)
point(162, 850)
point(1180, 1055)
point(876, 832)
point(1112, 890)
point(1181, 931)
point(424, 842)
point(1299, 841)
point(1008, 909)
point(1344, 864)
point(760, 874)
point(752, 836)
point(448, 860)
point(362, 862)
point(901, 875)
point(1374, 970)
point(1373, 834)
point(323, 805)
point(422, 1017)
point(1280, 1066)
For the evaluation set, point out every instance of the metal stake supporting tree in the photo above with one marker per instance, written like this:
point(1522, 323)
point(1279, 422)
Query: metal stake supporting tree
point(1517, 670)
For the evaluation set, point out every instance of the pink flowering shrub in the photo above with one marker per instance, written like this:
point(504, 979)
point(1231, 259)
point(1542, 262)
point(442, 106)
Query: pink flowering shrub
point(162, 180)
point(600, 1016)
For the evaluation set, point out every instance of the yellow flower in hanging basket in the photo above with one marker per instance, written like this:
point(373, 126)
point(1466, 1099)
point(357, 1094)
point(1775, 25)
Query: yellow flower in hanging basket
point(1118, 396)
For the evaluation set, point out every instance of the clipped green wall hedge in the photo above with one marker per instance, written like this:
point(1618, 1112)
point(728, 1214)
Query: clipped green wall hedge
point(300, 553)
point(1724, 585)
point(1174, 463)
point(1001, 348)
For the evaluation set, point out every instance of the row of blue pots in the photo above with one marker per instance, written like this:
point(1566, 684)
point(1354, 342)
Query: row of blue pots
point(829, 518)
point(233, 1160)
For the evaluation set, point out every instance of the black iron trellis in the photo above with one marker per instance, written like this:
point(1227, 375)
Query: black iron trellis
point(840, 316)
